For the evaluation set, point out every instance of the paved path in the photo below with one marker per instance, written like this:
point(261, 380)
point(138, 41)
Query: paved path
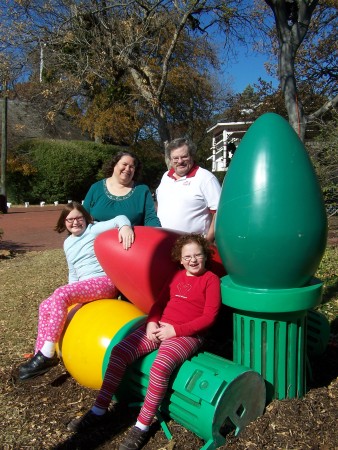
point(32, 228)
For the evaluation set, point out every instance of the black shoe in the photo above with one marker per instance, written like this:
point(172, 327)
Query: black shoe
point(135, 439)
point(37, 365)
point(87, 421)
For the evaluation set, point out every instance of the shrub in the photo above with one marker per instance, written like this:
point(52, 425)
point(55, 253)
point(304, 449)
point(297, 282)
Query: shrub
point(325, 159)
point(59, 170)
point(50, 170)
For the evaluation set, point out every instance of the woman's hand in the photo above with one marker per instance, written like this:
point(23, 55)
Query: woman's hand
point(126, 236)
point(165, 331)
point(151, 329)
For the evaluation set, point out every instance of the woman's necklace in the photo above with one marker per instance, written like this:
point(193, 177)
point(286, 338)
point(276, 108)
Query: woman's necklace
point(117, 190)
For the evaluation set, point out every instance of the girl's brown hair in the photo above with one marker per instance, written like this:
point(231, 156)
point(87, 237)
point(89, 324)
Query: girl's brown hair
point(190, 238)
point(60, 226)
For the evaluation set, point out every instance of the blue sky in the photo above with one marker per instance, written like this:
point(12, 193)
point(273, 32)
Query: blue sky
point(246, 70)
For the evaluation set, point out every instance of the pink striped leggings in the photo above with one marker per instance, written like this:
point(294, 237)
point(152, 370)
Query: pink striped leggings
point(53, 311)
point(172, 353)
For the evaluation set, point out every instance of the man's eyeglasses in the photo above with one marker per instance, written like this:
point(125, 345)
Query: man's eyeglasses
point(189, 258)
point(175, 159)
point(72, 219)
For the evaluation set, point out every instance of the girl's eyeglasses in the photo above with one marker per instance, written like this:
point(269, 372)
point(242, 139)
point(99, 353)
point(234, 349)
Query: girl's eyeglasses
point(72, 219)
point(189, 258)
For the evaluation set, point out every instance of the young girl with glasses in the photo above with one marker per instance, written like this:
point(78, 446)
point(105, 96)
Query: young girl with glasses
point(86, 281)
point(176, 325)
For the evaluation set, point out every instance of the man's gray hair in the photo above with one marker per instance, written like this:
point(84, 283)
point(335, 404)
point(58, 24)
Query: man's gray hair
point(178, 143)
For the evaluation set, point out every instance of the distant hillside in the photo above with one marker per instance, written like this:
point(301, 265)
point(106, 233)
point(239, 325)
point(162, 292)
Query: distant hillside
point(26, 122)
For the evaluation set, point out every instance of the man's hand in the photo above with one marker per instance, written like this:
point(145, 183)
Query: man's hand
point(211, 232)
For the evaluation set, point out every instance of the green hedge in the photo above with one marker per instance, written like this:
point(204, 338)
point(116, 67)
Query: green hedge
point(64, 170)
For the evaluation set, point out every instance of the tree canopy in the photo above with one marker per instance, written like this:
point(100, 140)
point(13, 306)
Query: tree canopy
point(135, 53)
point(139, 69)
point(304, 38)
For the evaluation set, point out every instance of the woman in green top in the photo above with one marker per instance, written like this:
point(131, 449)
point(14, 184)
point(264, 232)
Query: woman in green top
point(119, 194)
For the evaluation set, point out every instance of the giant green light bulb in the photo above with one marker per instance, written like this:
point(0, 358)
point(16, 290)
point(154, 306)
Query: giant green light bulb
point(271, 223)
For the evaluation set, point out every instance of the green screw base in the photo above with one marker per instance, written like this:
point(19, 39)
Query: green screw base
point(270, 333)
point(275, 348)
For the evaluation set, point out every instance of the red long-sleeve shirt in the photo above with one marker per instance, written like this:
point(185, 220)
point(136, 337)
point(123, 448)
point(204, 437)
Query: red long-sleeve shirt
point(192, 306)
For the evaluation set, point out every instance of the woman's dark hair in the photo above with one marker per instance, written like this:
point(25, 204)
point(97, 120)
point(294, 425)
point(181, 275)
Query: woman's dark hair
point(109, 168)
point(185, 239)
point(60, 226)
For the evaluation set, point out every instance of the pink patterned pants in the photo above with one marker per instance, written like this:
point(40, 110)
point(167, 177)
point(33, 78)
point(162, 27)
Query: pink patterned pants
point(171, 354)
point(53, 311)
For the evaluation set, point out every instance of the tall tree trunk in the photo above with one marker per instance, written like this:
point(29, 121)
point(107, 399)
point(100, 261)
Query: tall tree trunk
point(292, 18)
point(163, 128)
point(4, 141)
point(164, 132)
point(152, 97)
point(293, 104)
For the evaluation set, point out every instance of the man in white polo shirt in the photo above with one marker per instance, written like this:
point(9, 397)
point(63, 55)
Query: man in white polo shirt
point(188, 195)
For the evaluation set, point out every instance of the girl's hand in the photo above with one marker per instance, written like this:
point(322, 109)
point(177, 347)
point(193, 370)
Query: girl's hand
point(165, 331)
point(151, 329)
point(126, 236)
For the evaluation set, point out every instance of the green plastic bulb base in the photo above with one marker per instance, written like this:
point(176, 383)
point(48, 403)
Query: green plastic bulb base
point(274, 346)
point(271, 300)
point(270, 333)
